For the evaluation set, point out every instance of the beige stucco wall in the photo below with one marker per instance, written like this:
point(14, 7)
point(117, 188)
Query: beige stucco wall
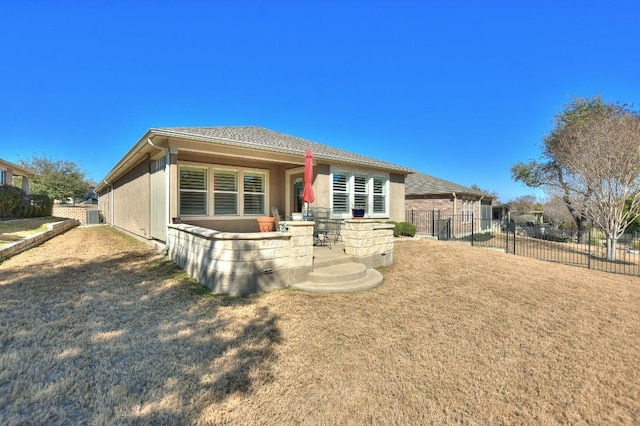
point(129, 201)
point(396, 198)
point(322, 186)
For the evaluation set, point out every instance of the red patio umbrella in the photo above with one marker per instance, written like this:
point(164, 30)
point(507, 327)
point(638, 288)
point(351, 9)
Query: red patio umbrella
point(307, 190)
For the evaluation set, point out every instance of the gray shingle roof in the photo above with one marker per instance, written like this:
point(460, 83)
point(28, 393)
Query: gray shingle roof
point(270, 140)
point(420, 184)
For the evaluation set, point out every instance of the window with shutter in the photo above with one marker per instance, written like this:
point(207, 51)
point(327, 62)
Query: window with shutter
point(341, 192)
point(254, 193)
point(193, 191)
point(225, 192)
point(379, 194)
point(360, 190)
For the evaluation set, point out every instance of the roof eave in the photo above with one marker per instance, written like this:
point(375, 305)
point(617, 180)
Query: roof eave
point(254, 145)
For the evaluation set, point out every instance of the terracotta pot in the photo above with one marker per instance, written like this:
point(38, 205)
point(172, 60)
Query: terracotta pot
point(266, 223)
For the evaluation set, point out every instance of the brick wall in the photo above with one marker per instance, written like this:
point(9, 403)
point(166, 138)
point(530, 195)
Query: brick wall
point(444, 205)
point(73, 212)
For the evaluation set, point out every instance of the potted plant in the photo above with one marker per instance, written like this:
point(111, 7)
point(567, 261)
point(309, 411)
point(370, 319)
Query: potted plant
point(266, 223)
point(358, 210)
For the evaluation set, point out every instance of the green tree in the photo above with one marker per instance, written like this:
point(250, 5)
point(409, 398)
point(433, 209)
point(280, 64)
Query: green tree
point(59, 179)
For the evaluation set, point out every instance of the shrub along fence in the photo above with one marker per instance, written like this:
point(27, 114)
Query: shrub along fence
point(536, 240)
point(14, 203)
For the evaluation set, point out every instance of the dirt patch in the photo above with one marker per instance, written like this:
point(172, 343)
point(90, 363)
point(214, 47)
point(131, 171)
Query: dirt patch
point(97, 328)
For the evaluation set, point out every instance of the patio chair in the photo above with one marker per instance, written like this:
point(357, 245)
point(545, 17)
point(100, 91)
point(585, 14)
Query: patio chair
point(321, 232)
point(334, 229)
point(322, 218)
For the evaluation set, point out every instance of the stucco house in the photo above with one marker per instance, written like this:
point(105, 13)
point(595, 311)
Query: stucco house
point(429, 199)
point(215, 182)
point(9, 170)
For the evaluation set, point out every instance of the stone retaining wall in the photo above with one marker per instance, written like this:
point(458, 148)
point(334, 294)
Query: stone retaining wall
point(37, 239)
point(369, 242)
point(242, 263)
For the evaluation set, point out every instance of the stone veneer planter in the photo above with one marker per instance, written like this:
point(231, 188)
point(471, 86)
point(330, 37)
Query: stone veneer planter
point(370, 242)
point(242, 263)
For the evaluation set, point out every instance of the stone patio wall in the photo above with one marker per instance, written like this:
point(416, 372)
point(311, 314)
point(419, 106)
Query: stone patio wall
point(242, 263)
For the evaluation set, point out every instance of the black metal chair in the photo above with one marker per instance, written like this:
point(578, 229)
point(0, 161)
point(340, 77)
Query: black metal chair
point(321, 217)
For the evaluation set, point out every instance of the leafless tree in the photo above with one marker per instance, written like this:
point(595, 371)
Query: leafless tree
point(605, 154)
point(567, 150)
point(557, 213)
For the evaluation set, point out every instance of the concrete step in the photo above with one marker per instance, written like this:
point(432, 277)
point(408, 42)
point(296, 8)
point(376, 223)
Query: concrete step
point(371, 279)
point(341, 272)
point(323, 256)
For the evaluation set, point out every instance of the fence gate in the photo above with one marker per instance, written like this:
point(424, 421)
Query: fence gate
point(442, 228)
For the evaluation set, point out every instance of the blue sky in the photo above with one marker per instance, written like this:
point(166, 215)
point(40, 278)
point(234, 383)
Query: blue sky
point(459, 90)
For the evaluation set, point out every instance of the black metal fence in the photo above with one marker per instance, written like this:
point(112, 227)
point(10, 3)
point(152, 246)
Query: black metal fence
point(589, 249)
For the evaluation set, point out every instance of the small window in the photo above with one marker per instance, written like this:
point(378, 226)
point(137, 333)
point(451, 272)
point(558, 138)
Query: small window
point(341, 192)
point(379, 194)
point(193, 191)
point(225, 192)
point(361, 192)
point(254, 193)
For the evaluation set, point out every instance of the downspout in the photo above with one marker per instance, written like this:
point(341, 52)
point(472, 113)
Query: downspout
point(113, 202)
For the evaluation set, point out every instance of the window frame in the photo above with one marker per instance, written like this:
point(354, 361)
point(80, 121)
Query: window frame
point(191, 190)
point(370, 192)
point(210, 191)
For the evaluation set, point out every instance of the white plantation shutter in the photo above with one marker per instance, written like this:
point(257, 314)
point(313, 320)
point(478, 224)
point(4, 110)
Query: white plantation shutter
point(379, 194)
point(254, 193)
point(341, 192)
point(225, 192)
point(193, 191)
point(360, 193)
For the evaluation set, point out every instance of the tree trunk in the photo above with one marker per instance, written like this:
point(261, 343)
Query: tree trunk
point(581, 223)
point(611, 248)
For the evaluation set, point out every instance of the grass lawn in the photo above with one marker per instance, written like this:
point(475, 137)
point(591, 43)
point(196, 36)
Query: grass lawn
point(14, 230)
point(96, 328)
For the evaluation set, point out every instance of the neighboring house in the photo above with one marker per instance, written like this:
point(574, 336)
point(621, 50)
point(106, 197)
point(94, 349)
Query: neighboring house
point(9, 170)
point(222, 178)
point(428, 198)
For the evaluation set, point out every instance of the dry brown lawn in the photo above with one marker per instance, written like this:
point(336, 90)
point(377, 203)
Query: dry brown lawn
point(14, 230)
point(98, 329)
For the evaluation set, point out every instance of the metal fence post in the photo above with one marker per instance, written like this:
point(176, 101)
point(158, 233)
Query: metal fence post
point(589, 250)
point(433, 223)
point(514, 238)
point(472, 222)
point(506, 247)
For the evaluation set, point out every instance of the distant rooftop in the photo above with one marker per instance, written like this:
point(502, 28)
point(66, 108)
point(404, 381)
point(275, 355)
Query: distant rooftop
point(420, 184)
